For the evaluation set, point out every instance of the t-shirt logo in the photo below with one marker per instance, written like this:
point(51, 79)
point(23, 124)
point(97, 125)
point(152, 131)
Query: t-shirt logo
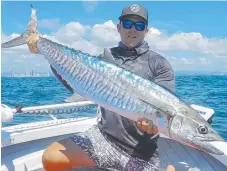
point(135, 8)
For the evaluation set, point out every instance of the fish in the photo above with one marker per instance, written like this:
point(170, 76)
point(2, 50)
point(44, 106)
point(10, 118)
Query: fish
point(123, 92)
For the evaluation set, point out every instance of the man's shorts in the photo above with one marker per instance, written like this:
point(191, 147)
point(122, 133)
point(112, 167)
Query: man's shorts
point(110, 156)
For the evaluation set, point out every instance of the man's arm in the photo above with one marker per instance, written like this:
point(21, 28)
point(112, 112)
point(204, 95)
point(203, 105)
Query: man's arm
point(161, 72)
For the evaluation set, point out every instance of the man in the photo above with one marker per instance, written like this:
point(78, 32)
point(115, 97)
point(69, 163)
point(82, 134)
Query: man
point(117, 142)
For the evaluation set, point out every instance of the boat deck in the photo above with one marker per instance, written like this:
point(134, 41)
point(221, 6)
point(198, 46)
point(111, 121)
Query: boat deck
point(23, 146)
point(185, 158)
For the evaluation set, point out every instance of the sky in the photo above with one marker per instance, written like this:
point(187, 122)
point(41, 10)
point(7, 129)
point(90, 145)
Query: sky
point(191, 35)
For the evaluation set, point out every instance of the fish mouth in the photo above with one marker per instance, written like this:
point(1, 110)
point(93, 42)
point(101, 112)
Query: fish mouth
point(208, 139)
point(207, 145)
point(221, 145)
point(213, 149)
point(204, 144)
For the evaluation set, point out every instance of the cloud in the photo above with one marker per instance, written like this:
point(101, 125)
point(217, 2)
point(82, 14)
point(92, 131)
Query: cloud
point(5, 38)
point(195, 63)
point(19, 58)
point(72, 31)
point(186, 61)
point(204, 61)
point(72, 35)
point(188, 42)
point(92, 40)
point(180, 61)
point(51, 24)
point(89, 6)
point(105, 34)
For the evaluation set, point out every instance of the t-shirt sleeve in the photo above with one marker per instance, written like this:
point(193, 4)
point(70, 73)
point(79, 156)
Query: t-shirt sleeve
point(162, 72)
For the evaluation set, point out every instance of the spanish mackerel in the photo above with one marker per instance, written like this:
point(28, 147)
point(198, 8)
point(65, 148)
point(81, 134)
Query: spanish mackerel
point(124, 93)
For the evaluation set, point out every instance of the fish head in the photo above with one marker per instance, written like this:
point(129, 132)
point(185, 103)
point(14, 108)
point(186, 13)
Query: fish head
point(196, 133)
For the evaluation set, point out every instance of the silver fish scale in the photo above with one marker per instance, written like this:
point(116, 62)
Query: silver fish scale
point(101, 87)
point(148, 91)
point(81, 71)
point(105, 89)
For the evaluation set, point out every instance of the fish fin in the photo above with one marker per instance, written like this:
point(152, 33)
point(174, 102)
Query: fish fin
point(205, 112)
point(107, 52)
point(75, 98)
point(32, 27)
point(15, 42)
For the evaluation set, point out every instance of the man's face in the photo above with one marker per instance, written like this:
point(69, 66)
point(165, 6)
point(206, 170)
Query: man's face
point(131, 37)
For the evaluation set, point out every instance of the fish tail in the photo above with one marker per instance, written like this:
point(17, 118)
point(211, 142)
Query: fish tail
point(31, 28)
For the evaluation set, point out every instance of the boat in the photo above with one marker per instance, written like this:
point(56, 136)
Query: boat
point(23, 145)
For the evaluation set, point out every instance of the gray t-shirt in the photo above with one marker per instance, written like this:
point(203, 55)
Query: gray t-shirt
point(148, 65)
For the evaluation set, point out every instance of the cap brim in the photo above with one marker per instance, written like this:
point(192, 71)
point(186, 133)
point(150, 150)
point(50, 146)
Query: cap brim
point(122, 17)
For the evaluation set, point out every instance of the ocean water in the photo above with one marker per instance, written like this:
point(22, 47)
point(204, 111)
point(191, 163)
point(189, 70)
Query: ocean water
point(208, 91)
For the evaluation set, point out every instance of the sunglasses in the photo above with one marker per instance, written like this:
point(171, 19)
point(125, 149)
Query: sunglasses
point(127, 24)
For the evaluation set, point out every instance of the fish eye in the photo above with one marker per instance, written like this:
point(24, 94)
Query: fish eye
point(203, 129)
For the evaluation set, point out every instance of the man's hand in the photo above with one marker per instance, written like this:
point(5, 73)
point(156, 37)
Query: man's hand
point(147, 127)
point(170, 168)
point(31, 42)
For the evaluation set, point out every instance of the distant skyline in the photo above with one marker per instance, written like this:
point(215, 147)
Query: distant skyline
point(191, 35)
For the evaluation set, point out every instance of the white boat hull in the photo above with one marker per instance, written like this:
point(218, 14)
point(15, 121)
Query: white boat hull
point(23, 146)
